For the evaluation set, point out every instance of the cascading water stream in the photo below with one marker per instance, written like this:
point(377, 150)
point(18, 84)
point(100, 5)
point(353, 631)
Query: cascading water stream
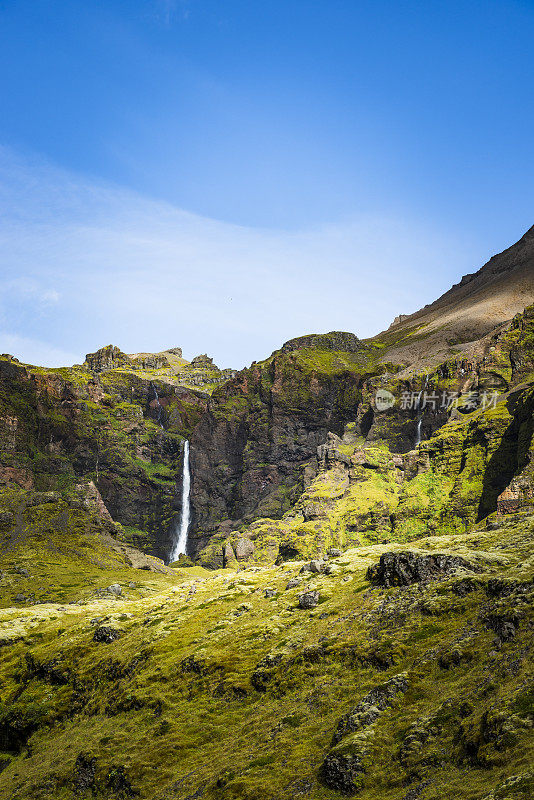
point(180, 534)
point(158, 405)
point(419, 431)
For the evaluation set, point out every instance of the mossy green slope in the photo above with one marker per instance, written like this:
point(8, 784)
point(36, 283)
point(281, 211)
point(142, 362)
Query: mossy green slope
point(64, 548)
point(222, 687)
point(118, 429)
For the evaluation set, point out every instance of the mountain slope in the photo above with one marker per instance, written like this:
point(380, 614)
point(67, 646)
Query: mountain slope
point(469, 311)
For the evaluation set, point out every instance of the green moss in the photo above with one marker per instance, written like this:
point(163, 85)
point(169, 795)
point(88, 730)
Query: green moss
point(170, 701)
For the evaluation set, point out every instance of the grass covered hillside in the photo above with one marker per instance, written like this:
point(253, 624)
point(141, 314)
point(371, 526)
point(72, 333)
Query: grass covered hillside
point(383, 671)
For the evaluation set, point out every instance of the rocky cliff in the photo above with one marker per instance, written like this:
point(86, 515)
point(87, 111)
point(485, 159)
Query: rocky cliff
point(119, 427)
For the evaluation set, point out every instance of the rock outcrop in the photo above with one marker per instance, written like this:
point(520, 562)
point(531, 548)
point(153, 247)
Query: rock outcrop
point(107, 358)
point(249, 450)
point(335, 340)
point(402, 569)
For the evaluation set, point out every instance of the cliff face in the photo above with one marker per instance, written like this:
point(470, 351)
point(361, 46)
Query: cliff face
point(249, 451)
point(115, 427)
point(398, 473)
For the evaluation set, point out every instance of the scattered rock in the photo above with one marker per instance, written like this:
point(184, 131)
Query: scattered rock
point(309, 599)
point(402, 569)
point(269, 592)
point(106, 634)
point(316, 566)
point(343, 772)
point(243, 548)
point(84, 774)
point(19, 598)
point(370, 707)
point(293, 583)
point(21, 571)
point(132, 585)
point(115, 589)
point(333, 552)
point(119, 783)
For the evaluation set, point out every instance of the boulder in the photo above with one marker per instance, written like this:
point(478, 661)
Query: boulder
point(243, 548)
point(105, 634)
point(309, 599)
point(22, 571)
point(333, 552)
point(317, 566)
point(293, 583)
point(115, 589)
point(343, 772)
point(370, 707)
point(404, 568)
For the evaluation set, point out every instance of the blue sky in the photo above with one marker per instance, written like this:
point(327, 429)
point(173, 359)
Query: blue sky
point(225, 175)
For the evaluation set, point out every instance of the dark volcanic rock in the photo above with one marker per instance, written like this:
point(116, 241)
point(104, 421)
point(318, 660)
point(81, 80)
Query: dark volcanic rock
point(344, 766)
point(343, 773)
point(84, 774)
point(118, 782)
point(106, 635)
point(504, 626)
point(109, 357)
point(369, 709)
point(401, 569)
point(309, 599)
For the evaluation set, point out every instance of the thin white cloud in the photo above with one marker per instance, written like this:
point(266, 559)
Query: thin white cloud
point(86, 264)
point(49, 296)
point(34, 351)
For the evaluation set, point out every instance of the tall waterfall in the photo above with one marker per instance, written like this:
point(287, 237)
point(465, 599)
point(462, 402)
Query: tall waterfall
point(180, 534)
point(419, 430)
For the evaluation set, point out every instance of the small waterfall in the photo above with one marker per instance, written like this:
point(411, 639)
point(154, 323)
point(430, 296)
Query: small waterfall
point(180, 533)
point(158, 405)
point(419, 432)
